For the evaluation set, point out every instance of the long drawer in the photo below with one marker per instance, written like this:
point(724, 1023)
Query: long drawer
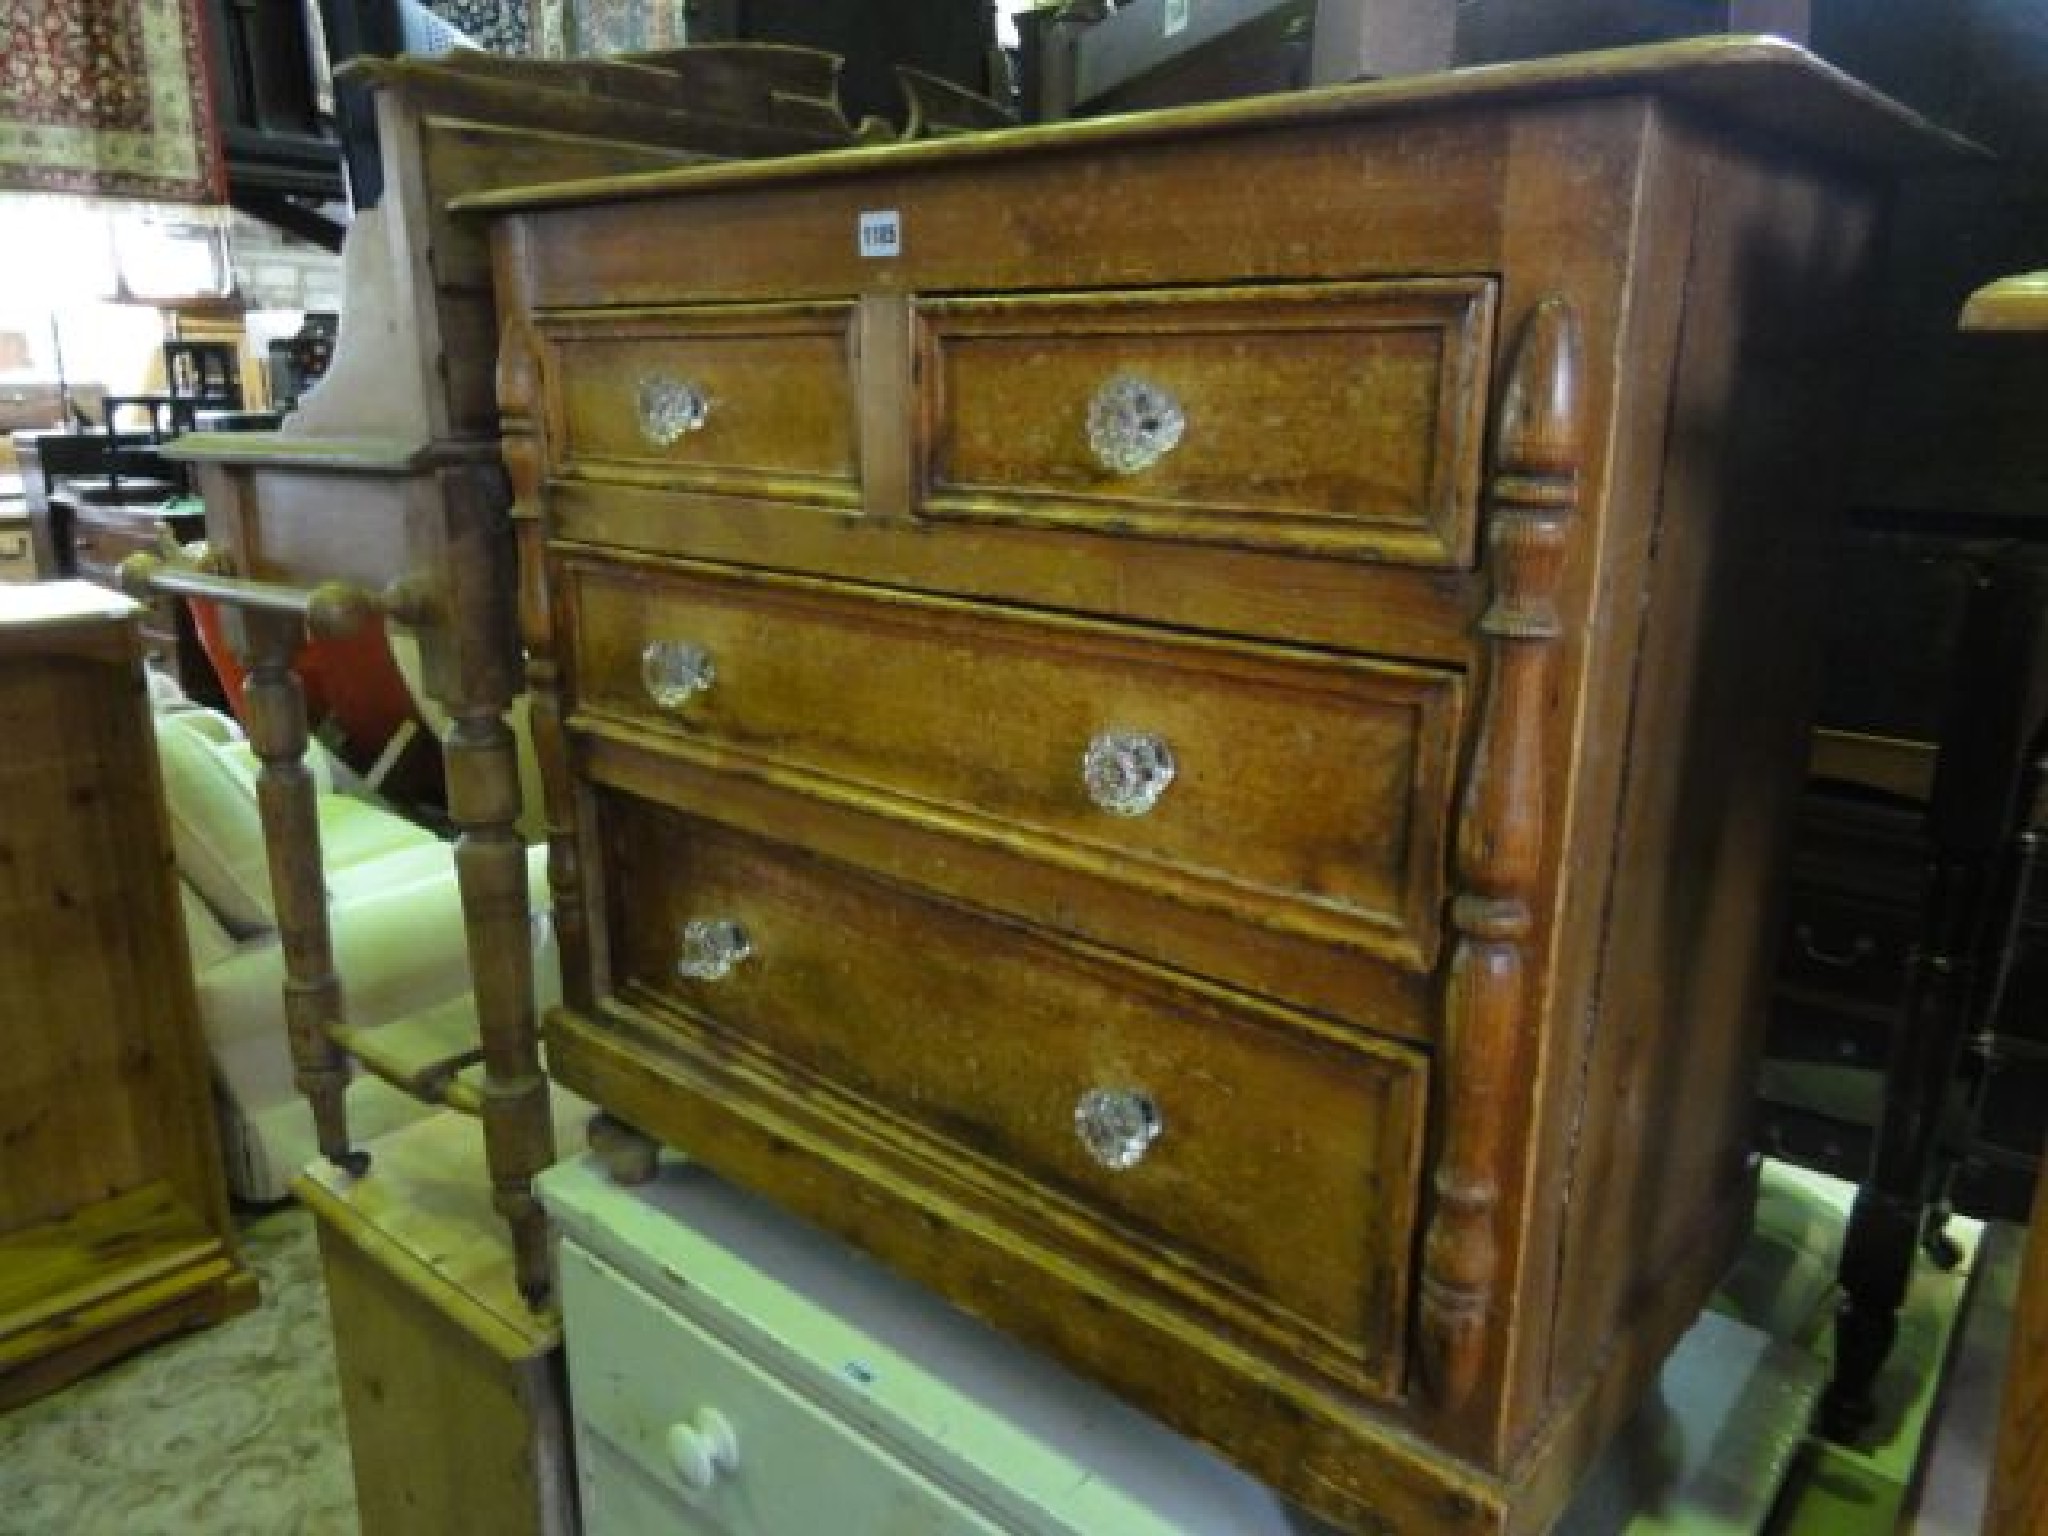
point(1304, 792)
point(1258, 1165)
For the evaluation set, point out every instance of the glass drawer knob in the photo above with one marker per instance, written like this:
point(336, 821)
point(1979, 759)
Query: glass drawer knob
point(674, 672)
point(711, 947)
point(1117, 1125)
point(671, 409)
point(1127, 771)
point(1132, 424)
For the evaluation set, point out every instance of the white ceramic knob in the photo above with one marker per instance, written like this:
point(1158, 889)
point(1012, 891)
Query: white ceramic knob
point(703, 1449)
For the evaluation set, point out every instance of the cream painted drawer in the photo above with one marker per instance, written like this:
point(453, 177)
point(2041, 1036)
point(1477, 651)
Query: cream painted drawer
point(736, 400)
point(1332, 418)
point(1296, 791)
point(1148, 1118)
point(859, 1405)
point(679, 1432)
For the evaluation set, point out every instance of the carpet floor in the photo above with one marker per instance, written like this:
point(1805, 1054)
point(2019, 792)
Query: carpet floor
point(232, 1431)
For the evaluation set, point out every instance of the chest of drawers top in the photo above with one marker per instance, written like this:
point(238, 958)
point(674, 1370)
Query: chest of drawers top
point(1179, 724)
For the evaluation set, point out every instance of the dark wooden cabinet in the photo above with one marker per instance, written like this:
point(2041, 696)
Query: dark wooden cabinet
point(279, 141)
point(1926, 698)
point(1908, 1046)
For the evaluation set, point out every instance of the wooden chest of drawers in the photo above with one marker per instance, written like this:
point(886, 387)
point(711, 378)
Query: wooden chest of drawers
point(1181, 725)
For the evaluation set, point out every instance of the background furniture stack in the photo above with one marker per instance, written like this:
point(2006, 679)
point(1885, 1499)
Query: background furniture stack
point(1181, 726)
point(93, 499)
point(113, 1220)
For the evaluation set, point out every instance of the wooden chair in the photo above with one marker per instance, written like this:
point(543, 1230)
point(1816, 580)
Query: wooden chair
point(384, 493)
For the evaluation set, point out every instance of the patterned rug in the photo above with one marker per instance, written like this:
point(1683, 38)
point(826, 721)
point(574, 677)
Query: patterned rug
point(108, 97)
point(232, 1431)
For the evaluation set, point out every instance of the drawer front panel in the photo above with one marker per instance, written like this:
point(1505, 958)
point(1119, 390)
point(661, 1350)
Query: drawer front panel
point(1843, 946)
point(2013, 1085)
point(1239, 1155)
point(2023, 1001)
point(749, 400)
point(1801, 1031)
point(641, 1370)
point(1307, 792)
point(1337, 418)
point(1813, 1140)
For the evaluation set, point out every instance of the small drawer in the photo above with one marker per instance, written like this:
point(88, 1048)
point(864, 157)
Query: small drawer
point(1260, 1166)
point(1994, 1187)
point(1812, 1140)
point(2012, 1112)
point(1799, 1031)
point(1302, 791)
point(1874, 845)
point(1841, 946)
point(678, 1428)
point(744, 400)
point(2023, 1000)
point(1333, 418)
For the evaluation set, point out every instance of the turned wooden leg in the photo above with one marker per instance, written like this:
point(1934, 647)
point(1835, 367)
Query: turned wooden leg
point(1876, 1269)
point(1890, 1213)
point(276, 708)
point(490, 864)
point(628, 1155)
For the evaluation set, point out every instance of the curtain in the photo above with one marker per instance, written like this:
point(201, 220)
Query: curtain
point(107, 97)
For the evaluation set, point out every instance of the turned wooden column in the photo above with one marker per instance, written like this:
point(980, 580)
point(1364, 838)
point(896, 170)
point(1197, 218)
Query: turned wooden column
point(472, 651)
point(275, 706)
point(1531, 501)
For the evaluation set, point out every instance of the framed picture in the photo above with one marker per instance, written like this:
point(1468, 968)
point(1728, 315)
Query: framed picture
point(571, 29)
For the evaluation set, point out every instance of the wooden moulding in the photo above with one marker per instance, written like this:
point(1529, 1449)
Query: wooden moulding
point(1762, 83)
point(66, 1309)
point(518, 386)
point(2011, 304)
point(1532, 499)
